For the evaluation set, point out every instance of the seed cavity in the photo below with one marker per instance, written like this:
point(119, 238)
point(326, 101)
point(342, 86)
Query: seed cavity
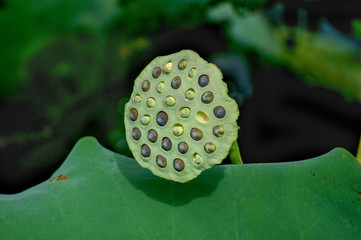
point(178, 165)
point(177, 130)
point(182, 64)
point(176, 82)
point(196, 134)
point(184, 112)
point(133, 114)
point(150, 102)
point(145, 150)
point(162, 118)
point(192, 72)
point(218, 131)
point(137, 98)
point(166, 144)
point(203, 80)
point(152, 135)
point(197, 159)
point(209, 147)
point(168, 67)
point(202, 117)
point(145, 120)
point(156, 72)
point(207, 97)
point(219, 112)
point(183, 147)
point(170, 101)
point(161, 161)
point(136, 134)
point(145, 86)
point(190, 94)
point(160, 87)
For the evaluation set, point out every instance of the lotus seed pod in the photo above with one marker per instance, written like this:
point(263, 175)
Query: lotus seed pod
point(180, 120)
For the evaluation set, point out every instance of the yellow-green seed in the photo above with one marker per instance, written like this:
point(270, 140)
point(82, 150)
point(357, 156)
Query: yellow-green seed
point(137, 98)
point(189, 94)
point(145, 120)
point(197, 159)
point(177, 130)
point(167, 67)
point(209, 147)
point(218, 131)
point(160, 87)
point(150, 102)
point(192, 72)
point(170, 101)
point(184, 112)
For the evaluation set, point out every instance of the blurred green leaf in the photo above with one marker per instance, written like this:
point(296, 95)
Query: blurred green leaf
point(98, 194)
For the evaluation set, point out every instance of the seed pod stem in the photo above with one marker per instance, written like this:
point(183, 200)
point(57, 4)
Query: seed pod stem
point(234, 154)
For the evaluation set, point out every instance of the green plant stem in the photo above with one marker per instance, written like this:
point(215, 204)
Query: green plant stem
point(358, 154)
point(234, 154)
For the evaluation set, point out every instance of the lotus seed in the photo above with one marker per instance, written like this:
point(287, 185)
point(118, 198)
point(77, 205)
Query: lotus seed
point(178, 164)
point(182, 64)
point(145, 150)
point(167, 67)
point(145, 86)
point(207, 97)
point(197, 159)
point(203, 80)
point(156, 72)
point(184, 112)
point(219, 112)
point(196, 134)
point(137, 98)
point(152, 135)
point(166, 144)
point(177, 130)
point(145, 120)
point(136, 133)
point(189, 94)
point(183, 147)
point(176, 82)
point(150, 102)
point(218, 131)
point(162, 118)
point(209, 147)
point(133, 114)
point(161, 161)
point(160, 87)
point(192, 72)
point(170, 101)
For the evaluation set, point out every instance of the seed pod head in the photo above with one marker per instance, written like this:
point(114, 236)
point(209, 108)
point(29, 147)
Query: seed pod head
point(180, 120)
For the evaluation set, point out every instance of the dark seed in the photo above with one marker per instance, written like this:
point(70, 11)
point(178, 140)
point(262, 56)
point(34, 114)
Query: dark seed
point(136, 134)
point(207, 97)
point(156, 72)
point(145, 150)
point(178, 165)
point(218, 131)
point(196, 134)
point(182, 64)
point(219, 112)
point(183, 147)
point(152, 135)
point(133, 114)
point(203, 80)
point(145, 86)
point(161, 161)
point(162, 118)
point(166, 144)
point(209, 147)
point(176, 82)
